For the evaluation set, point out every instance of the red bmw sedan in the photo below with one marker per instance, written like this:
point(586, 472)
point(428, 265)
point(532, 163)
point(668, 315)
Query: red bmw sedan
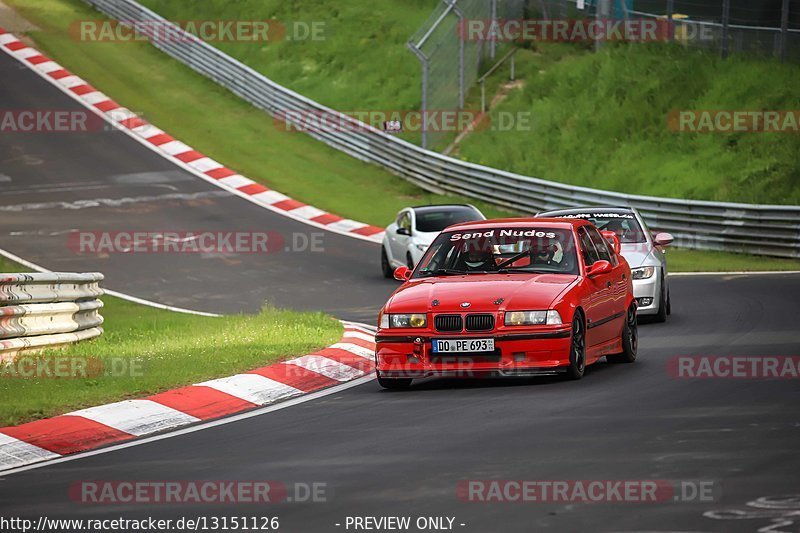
point(513, 297)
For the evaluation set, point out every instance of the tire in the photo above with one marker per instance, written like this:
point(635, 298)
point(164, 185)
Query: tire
point(386, 268)
point(394, 383)
point(577, 349)
point(409, 261)
point(669, 303)
point(663, 310)
point(630, 339)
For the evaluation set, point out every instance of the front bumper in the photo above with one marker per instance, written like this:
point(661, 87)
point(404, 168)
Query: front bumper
point(648, 289)
point(532, 352)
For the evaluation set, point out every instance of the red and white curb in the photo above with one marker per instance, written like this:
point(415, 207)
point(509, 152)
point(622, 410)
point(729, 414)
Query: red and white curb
point(179, 153)
point(95, 427)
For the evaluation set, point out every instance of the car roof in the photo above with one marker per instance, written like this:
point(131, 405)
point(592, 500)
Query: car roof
point(553, 223)
point(442, 207)
point(596, 208)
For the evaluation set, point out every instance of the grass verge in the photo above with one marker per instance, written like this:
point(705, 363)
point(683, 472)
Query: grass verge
point(227, 128)
point(153, 350)
point(219, 124)
point(598, 120)
point(601, 120)
point(681, 260)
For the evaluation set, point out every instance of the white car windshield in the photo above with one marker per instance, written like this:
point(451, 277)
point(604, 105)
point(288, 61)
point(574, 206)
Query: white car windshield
point(435, 219)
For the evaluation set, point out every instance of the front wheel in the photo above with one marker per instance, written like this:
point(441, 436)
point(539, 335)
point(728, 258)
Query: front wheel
point(386, 268)
point(577, 350)
point(630, 339)
point(663, 304)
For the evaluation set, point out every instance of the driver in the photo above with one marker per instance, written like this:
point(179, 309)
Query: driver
point(477, 259)
point(617, 227)
point(544, 255)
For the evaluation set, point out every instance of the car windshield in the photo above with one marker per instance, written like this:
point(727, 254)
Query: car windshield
point(503, 250)
point(624, 225)
point(434, 220)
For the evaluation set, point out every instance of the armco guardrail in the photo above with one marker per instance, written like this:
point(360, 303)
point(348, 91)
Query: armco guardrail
point(44, 310)
point(761, 229)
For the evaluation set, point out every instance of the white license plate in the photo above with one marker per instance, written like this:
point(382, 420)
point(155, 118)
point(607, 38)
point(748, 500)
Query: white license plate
point(463, 345)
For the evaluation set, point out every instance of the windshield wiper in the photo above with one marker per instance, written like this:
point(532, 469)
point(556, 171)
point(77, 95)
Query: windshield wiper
point(512, 259)
point(444, 272)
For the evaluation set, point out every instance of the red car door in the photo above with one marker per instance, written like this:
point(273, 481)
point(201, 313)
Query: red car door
point(616, 283)
point(599, 303)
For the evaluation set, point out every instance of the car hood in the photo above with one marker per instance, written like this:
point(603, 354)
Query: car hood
point(636, 253)
point(482, 291)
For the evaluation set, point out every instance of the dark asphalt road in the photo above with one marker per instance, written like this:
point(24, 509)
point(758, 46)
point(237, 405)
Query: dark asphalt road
point(384, 453)
point(54, 183)
point(404, 453)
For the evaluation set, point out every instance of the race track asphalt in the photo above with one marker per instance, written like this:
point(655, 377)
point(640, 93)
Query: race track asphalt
point(404, 453)
point(54, 183)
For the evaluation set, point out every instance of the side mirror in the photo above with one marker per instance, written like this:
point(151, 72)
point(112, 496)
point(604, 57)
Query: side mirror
point(402, 273)
point(599, 267)
point(663, 239)
point(611, 237)
point(404, 231)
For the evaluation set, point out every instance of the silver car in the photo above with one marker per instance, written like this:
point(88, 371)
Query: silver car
point(642, 250)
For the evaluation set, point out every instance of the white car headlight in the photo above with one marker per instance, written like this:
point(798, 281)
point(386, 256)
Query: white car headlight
point(414, 320)
point(532, 318)
point(643, 272)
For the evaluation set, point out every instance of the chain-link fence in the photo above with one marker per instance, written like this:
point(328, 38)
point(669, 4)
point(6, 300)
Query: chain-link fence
point(768, 28)
point(451, 55)
point(460, 36)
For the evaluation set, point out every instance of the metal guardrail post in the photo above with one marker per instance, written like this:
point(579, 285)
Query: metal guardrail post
point(670, 22)
point(461, 55)
point(423, 59)
point(784, 30)
point(493, 34)
point(601, 12)
point(726, 15)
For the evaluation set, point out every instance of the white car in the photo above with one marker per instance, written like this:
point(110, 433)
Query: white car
point(643, 251)
point(407, 238)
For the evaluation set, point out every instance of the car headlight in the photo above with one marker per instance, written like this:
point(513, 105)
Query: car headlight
point(643, 272)
point(532, 318)
point(421, 247)
point(415, 320)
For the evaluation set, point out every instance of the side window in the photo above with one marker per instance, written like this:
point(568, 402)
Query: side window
point(588, 251)
point(601, 244)
point(404, 220)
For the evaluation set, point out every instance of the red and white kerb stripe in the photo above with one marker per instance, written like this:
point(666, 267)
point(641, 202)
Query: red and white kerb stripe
point(178, 152)
point(91, 428)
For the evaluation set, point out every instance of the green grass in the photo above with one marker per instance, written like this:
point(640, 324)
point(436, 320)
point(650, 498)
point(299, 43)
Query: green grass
point(214, 121)
point(681, 260)
point(600, 120)
point(161, 350)
point(222, 126)
point(361, 62)
point(10, 266)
